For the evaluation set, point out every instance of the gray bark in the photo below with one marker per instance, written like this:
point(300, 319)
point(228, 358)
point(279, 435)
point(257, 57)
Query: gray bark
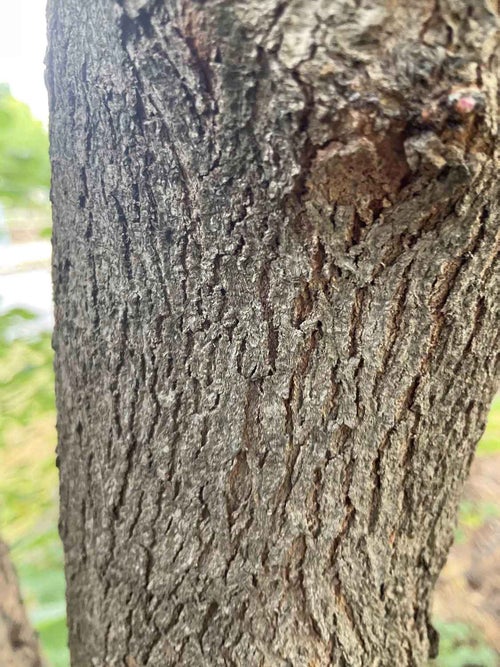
point(18, 642)
point(275, 234)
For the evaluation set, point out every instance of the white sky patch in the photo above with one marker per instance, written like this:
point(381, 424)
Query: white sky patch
point(22, 52)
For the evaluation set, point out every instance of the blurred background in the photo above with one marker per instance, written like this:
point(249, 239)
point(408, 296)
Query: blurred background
point(467, 600)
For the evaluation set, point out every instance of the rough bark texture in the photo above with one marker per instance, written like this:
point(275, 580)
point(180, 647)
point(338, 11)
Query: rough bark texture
point(18, 643)
point(275, 233)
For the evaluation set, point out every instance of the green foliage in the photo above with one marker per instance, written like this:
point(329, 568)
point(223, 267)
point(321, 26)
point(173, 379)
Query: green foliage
point(26, 376)
point(462, 646)
point(490, 442)
point(473, 515)
point(46, 233)
point(40, 567)
point(24, 161)
point(28, 479)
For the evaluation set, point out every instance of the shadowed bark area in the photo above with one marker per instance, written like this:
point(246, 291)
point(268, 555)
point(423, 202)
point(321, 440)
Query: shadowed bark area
point(275, 235)
point(18, 643)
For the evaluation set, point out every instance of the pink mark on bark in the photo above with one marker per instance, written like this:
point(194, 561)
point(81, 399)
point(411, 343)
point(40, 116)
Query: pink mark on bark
point(465, 105)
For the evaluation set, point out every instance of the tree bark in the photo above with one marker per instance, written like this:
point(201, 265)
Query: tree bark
point(275, 234)
point(18, 643)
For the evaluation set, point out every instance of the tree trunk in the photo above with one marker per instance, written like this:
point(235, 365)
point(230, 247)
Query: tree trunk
point(276, 320)
point(18, 643)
